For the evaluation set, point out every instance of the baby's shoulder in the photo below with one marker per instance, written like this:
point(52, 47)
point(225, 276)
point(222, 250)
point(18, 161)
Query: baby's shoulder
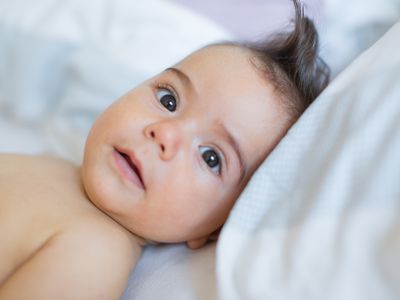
point(99, 231)
point(101, 244)
point(91, 258)
point(38, 170)
point(15, 164)
point(10, 159)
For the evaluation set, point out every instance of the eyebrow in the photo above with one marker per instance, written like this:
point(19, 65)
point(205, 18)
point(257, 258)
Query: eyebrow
point(182, 76)
point(235, 145)
point(230, 138)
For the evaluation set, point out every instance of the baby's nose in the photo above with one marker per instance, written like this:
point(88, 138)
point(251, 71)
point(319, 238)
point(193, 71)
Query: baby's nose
point(167, 135)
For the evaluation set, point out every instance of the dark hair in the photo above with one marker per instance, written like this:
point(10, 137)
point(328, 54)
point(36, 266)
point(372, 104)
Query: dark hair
point(291, 62)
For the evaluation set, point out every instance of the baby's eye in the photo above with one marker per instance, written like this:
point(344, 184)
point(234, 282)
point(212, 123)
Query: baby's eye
point(212, 159)
point(167, 99)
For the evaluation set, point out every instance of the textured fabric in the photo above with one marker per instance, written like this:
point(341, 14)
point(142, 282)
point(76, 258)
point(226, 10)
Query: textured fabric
point(320, 219)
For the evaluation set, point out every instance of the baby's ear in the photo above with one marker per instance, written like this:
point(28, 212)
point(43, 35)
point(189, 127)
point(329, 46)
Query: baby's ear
point(200, 242)
point(197, 243)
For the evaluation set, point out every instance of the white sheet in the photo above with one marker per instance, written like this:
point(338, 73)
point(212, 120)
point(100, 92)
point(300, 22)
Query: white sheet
point(321, 217)
point(174, 272)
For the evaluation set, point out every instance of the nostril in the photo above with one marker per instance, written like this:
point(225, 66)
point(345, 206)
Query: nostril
point(162, 148)
point(152, 134)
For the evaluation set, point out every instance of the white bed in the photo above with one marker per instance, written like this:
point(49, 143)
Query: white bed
point(62, 62)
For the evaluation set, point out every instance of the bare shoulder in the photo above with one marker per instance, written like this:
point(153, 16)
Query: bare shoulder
point(12, 158)
point(7, 156)
point(100, 246)
point(11, 163)
point(90, 260)
point(107, 244)
point(37, 167)
point(102, 233)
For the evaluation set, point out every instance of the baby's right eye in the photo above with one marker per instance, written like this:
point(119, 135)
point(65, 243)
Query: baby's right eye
point(167, 99)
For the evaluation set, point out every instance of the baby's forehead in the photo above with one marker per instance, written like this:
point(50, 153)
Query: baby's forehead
point(220, 52)
point(219, 66)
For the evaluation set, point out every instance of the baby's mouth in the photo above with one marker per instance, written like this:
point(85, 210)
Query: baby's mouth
point(129, 166)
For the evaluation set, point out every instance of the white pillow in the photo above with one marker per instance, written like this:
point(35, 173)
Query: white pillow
point(320, 219)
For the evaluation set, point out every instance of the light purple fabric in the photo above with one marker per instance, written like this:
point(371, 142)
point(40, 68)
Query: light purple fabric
point(251, 19)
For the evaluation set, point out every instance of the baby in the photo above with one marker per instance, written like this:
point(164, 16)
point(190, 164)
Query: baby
point(164, 163)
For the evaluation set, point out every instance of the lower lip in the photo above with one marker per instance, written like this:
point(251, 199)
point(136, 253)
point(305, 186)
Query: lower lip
point(126, 171)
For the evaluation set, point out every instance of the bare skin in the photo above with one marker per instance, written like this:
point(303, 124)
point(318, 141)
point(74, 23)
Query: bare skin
point(59, 233)
point(195, 135)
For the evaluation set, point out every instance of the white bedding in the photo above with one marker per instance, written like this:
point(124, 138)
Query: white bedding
point(320, 219)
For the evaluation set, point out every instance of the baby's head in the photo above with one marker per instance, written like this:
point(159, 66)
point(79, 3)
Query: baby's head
point(169, 158)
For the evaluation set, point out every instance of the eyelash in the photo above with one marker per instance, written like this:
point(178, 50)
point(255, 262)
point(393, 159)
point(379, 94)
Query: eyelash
point(158, 86)
point(168, 87)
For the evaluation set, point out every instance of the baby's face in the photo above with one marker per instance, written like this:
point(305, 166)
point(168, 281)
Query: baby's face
point(195, 134)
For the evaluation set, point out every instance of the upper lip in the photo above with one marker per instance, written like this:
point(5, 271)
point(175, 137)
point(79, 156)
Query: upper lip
point(129, 155)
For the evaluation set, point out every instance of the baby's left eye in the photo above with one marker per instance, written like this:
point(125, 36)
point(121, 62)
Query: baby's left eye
point(212, 158)
point(167, 99)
